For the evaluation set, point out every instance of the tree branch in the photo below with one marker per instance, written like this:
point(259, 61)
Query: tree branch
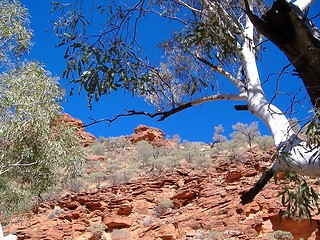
point(285, 25)
point(188, 6)
point(264, 179)
point(5, 169)
point(165, 114)
point(223, 72)
point(216, 9)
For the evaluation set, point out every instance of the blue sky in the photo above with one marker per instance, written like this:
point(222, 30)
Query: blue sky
point(194, 124)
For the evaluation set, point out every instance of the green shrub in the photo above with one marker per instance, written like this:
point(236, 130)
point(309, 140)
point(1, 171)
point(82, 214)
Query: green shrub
point(163, 206)
point(97, 227)
point(97, 230)
point(201, 163)
point(176, 138)
point(192, 150)
point(98, 177)
point(234, 150)
point(214, 235)
point(55, 212)
point(200, 235)
point(98, 149)
point(114, 143)
point(53, 193)
point(144, 152)
point(77, 185)
point(280, 235)
point(113, 166)
point(245, 132)
point(122, 176)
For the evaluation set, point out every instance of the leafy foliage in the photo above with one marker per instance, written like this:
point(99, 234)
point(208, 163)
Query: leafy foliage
point(15, 34)
point(313, 131)
point(35, 148)
point(104, 63)
point(102, 60)
point(299, 197)
point(37, 151)
point(97, 227)
point(213, 33)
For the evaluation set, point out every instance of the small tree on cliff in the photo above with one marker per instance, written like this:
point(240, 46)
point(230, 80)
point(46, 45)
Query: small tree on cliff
point(248, 131)
point(35, 149)
point(214, 42)
point(218, 134)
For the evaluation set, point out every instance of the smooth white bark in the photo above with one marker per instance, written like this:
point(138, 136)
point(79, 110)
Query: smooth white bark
point(303, 4)
point(293, 152)
point(257, 102)
point(235, 97)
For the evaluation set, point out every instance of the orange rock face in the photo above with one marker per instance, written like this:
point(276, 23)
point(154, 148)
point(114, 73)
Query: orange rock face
point(151, 135)
point(85, 137)
point(203, 205)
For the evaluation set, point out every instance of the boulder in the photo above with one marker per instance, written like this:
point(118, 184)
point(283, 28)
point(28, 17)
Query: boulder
point(151, 135)
point(117, 222)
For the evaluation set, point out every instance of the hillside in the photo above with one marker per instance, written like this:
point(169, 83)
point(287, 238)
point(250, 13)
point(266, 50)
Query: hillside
point(147, 187)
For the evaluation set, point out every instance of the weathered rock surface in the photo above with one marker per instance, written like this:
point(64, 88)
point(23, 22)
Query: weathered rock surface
point(151, 135)
point(201, 203)
point(85, 137)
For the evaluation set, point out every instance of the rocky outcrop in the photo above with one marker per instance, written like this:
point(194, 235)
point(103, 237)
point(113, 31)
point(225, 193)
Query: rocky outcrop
point(151, 135)
point(85, 137)
point(175, 205)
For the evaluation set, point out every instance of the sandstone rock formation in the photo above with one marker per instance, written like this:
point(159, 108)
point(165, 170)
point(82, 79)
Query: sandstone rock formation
point(151, 135)
point(86, 138)
point(179, 204)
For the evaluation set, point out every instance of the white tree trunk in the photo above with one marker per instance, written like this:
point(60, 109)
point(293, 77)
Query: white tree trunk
point(293, 152)
point(303, 4)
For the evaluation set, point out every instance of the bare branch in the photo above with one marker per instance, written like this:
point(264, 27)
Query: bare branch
point(170, 17)
point(165, 114)
point(188, 6)
point(17, 164)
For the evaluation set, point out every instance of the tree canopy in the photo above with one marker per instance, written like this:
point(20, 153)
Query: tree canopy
point(199, 58)
point(111, 58)
point(36, 149)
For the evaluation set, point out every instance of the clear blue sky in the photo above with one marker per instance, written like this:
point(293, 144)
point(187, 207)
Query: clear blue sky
point(194, 124)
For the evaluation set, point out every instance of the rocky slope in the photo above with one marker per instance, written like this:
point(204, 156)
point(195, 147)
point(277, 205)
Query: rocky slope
point(177, 204)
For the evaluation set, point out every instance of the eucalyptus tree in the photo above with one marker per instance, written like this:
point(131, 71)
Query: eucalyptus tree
point(248, 131)
point(36, 149)
point(213, 43)
point(15, 34)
